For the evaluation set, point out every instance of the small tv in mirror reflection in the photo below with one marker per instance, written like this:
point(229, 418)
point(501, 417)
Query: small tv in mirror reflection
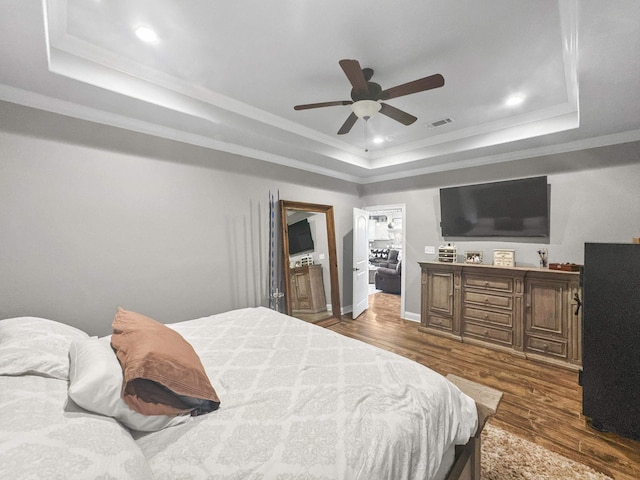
point(300, 238)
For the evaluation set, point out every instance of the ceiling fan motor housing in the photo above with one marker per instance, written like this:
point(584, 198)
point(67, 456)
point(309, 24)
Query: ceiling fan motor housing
point(373, 93)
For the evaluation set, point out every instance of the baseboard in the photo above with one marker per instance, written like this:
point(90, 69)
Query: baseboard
point(414, 317)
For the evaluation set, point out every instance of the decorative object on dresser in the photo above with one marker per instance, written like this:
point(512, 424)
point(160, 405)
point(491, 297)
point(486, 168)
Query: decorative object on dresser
point(526, 311)
point(306, 260)
point(504, 257)
point(448, 253)
point(567, 267)
point(472, 256)
point(543, 253)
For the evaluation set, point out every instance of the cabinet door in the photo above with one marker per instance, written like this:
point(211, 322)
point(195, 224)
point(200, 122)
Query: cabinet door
point(547, 308)
point(293, 289)
point(316, 289)
point(440, 293)
point(547, 326)
point(302, 289)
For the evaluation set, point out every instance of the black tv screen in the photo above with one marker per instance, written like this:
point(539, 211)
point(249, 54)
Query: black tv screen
point(513, 208)
point(300, 239)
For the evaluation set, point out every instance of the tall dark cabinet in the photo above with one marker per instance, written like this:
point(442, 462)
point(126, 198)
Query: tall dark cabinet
point(611, 337)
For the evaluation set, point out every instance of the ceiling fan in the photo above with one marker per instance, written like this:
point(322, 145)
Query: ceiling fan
point(367, 96)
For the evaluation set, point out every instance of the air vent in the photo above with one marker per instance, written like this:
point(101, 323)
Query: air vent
point(439, 123)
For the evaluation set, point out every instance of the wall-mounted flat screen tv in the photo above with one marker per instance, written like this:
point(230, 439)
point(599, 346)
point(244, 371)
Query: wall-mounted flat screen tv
point(300, 238)
point(513, 208)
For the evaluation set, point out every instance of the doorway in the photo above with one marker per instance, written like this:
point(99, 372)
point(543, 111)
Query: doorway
point(387, 245)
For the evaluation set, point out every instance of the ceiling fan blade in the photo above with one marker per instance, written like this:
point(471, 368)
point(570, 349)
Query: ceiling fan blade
point(322, 104)
point(346, 126)
point(353, 71)
point(420, 85)
point(398, 115)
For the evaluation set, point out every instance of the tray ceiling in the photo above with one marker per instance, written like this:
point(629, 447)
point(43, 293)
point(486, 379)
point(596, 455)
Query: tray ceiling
point(226, 75)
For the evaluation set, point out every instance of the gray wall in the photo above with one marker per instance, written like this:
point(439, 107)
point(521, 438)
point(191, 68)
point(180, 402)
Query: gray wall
point(92, 217)
point(599, 204)
point(166, 229)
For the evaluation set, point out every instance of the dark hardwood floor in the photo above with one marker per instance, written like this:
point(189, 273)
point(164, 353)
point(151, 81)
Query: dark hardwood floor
point(541, 403)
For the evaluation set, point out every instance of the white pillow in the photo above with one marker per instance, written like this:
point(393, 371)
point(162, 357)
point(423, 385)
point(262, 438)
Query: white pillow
point(36, 346)
point(95, 384)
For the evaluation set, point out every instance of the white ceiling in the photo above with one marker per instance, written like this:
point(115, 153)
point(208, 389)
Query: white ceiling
point(226, 75)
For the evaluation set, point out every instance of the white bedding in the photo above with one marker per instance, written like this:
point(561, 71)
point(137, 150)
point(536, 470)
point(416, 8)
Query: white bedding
point(297, 402)
point(43, 436)
point(300, 401)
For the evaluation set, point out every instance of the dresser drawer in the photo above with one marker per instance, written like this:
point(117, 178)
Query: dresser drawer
point(546, 347)
point(489, 334)
point(436, 321)
point(481, 298)
point(478, 314)
point(498, 283)
point(304, 304)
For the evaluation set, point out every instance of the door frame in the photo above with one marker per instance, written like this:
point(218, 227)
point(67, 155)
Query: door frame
point(403, 278)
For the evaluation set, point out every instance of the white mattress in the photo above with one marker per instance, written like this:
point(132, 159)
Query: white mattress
point(299, 401)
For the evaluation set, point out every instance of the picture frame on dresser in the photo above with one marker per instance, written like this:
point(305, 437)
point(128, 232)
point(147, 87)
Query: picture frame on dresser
point(473, 256)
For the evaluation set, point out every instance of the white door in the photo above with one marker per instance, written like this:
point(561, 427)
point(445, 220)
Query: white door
point(360, 300)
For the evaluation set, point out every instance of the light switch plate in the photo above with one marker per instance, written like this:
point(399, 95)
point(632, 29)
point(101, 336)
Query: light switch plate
point(430, 250)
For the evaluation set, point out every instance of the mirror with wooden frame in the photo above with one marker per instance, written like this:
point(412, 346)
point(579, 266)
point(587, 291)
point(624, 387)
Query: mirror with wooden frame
point(310, 261)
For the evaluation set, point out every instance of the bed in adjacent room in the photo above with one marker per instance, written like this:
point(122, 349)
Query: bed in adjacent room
point(296, 402)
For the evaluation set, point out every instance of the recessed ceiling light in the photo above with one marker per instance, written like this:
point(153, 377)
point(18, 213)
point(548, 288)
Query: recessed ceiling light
point(379, 139)
point(514, 100)
point(146, 34)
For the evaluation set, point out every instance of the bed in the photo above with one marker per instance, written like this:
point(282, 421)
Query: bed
point(297, 401)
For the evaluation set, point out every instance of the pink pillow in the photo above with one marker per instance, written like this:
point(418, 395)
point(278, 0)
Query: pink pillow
point(162, 374)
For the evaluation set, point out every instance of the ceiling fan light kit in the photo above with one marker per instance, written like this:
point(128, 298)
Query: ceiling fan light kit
point(366, 96)
point(365, 108)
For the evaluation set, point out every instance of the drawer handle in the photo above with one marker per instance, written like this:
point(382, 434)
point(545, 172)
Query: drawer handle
point(486, 284)
point(486, 300)
point(486, 315)
point(486, 332)
point(545, 346)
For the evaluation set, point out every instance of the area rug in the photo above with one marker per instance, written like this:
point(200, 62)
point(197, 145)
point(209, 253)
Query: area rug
point(508, 457)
